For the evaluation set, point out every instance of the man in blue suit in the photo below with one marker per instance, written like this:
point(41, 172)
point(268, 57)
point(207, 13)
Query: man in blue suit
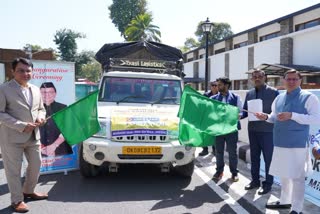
point(231, 139)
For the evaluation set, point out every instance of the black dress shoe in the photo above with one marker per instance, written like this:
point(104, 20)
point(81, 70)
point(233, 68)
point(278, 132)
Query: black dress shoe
point(277, 205)
point(251, 186)
point(35, 196)
point(295, 212)
point(204, 151)
point(264, 190)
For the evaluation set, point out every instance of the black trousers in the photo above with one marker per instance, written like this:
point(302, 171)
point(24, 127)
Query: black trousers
point(261, 142)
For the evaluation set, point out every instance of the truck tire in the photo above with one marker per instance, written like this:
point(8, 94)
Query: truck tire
point(185, 170)
point(86, 169)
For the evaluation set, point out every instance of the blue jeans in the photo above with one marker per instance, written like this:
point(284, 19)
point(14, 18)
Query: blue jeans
point(231, 140)
point(261, 142)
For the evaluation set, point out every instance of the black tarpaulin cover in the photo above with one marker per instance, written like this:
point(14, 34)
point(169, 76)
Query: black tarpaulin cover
point(138, 50)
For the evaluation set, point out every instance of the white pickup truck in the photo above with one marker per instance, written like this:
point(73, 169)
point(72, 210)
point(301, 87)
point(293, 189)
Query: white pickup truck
point(138, 116)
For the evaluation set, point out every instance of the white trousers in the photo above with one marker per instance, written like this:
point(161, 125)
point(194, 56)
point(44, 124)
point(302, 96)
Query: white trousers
point(292, 192)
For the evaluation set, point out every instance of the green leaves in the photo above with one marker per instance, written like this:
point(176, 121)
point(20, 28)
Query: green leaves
point(141, 28)
point(123, 11)
point(220, 31)
point(65, 39)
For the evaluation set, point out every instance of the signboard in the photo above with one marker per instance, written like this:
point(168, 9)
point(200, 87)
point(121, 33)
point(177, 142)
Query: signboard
point(143, 121)
point(57, 87)
point(142, 63)
point(312, 182)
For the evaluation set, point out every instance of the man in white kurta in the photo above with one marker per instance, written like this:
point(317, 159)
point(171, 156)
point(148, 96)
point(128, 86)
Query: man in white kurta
point(292, 113)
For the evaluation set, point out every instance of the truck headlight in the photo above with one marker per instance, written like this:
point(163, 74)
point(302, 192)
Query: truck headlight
point(103, 131)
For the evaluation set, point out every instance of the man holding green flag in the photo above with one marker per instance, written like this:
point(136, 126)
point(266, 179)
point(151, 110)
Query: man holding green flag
point(202, 119)
point(230, 139)
point(79, 121)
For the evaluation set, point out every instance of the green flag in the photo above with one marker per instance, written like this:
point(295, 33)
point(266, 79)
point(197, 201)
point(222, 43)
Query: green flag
point(202, 119)
point(79, 121)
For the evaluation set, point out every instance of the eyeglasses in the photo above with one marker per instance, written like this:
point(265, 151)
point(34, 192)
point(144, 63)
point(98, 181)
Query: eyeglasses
point(292, 79)
point(213, 85)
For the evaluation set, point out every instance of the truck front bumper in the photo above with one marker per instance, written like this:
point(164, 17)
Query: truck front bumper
point(96, 151)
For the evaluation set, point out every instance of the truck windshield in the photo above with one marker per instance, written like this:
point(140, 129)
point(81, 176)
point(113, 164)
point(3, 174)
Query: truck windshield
point(135, 90)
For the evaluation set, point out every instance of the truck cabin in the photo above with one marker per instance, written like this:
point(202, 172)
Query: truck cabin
point(139, 90)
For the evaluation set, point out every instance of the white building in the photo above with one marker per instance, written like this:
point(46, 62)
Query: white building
point(292, 41)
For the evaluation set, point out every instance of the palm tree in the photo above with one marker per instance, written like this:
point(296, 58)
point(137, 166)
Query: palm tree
point(141, 28)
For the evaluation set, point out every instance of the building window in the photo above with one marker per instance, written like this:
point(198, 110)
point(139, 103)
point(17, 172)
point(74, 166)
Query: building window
point(269, 36)
point(190, 59)
point(239, 45)
point(274, 82)
point(240, 85)
point(201, 56)
point(307, 24)
point(313, 79)
point(220, 51)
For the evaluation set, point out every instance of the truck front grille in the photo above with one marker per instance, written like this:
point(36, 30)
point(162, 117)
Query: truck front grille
point(142, 138)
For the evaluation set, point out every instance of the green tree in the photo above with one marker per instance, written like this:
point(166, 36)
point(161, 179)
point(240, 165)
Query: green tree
point(34, 48)
point(81, 59)
point(220, 31)
point(91, 71)
point(123, 11)
point(189, 44)
point(141, 28)
point(65, 39)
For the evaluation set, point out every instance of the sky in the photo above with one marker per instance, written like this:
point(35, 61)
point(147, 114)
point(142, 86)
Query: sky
point(36, 21)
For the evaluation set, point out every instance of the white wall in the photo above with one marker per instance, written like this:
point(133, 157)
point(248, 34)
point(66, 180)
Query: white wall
point(268, 29)
point(2, 73)
point(188, 69)
point(267, 52)
point(202, 67)
point(217, 66)
point(238, 63)
point(306, 47)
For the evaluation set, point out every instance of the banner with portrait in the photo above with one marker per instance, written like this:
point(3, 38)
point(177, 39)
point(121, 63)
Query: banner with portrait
point(57, 86)
point(312, 183)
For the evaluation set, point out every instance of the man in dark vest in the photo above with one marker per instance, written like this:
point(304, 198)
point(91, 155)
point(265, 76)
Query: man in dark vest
point(52, 141)
point(231, 139)
point(213, 91)
point(292, 114)
point(260, 132)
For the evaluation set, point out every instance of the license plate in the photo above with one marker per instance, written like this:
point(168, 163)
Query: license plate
point(141, 150)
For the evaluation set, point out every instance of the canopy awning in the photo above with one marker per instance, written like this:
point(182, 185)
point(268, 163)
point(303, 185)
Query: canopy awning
point(280, 69)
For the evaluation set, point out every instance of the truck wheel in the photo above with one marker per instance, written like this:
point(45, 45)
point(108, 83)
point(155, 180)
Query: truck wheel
point(87, 169)
point(185, 170)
